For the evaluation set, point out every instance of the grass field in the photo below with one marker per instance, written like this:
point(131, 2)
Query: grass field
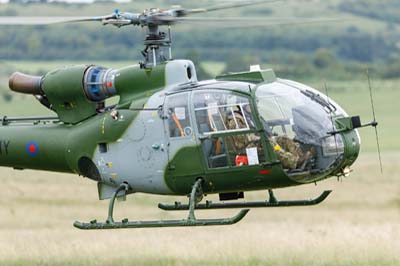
point(359, 224)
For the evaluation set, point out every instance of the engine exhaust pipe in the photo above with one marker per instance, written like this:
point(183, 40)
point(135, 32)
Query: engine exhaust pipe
point(27, 84)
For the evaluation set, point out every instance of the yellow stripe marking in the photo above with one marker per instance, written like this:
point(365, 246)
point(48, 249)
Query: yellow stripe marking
point(103, 127)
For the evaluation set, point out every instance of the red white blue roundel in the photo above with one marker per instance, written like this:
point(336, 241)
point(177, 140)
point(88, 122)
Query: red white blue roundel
point(32, 148)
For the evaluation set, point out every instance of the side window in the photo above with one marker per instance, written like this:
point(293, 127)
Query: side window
point(178, 115)
point(222, 111)
point(276, 113)
point(225, 112)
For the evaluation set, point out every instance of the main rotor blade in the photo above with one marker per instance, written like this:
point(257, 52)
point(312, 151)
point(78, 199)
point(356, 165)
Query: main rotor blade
point(45, 20)
point(248, 22)
point(228, 6)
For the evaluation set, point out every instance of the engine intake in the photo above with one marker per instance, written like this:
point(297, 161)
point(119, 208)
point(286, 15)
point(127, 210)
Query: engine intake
point(98, 83)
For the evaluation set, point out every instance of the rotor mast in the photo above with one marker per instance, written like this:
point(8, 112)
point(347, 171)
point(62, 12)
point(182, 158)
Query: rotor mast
point(157, 43)
point(158, 46)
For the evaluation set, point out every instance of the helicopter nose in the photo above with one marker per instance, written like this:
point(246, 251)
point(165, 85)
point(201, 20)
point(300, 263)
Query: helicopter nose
point(352, 148)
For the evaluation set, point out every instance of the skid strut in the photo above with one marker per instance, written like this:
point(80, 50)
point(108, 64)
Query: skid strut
point(191, 220)
point(272, 202)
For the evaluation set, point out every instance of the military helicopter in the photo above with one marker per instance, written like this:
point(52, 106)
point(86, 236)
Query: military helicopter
point(171, 134)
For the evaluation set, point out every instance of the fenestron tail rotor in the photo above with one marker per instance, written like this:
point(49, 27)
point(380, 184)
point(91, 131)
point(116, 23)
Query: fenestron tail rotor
point(374, 123)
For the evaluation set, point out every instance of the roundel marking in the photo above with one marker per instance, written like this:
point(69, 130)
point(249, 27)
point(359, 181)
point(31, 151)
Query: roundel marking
point(32, 148)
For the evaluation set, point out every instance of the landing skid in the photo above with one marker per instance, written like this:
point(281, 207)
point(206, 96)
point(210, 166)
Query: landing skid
point(190, 221)
point(272, 202)
point(162, 223)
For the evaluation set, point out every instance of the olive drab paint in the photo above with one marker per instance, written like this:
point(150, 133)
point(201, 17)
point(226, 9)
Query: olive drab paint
point(4, 145)
point(133, 143)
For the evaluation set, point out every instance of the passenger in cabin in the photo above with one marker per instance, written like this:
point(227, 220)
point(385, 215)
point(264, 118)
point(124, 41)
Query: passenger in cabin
point(237, 121)
point(239, 143)
point(289, 152)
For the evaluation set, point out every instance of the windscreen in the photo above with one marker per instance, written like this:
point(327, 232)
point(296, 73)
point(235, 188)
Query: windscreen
point(297, 122)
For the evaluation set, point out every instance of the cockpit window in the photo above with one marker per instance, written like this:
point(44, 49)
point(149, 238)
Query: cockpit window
point(222, 111)
point(219, 111)
point(297, 122)
point(178, 115)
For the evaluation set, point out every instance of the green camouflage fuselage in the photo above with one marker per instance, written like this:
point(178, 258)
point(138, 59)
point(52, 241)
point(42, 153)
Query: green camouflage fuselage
point(131, 142)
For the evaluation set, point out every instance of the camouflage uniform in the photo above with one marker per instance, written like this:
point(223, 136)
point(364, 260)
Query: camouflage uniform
point(288, 151)
point(242, 141)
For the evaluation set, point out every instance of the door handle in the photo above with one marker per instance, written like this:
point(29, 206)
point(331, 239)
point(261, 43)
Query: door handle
point(157, 146)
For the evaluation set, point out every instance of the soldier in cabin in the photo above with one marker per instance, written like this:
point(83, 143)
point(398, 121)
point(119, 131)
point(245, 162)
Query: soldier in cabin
point(238, 143)
point(289, 152)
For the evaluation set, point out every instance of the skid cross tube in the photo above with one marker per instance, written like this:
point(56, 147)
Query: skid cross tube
point(272, 202)
point(110, 218)
point(190, 221)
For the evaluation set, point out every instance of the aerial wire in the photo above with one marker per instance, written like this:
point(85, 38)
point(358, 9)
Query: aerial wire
point(374, 123)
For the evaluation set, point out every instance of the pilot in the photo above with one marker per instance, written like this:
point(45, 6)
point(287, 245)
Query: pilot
point(289, 152)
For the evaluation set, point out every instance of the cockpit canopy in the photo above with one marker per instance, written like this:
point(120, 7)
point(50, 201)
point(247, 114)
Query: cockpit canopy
point(297, 120)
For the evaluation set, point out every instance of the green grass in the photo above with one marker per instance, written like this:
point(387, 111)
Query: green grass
point(357, 225)
point(128, 261)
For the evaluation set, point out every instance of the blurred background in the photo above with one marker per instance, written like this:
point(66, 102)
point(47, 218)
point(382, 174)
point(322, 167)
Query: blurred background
point(358, 225)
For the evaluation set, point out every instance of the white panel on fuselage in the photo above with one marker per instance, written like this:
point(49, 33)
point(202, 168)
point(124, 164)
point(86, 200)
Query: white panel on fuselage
point(139, 157)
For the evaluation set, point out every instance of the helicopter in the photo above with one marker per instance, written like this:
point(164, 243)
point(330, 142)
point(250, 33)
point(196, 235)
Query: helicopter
point(171, 134)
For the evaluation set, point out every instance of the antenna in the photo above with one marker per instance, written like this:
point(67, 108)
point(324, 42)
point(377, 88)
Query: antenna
point(374, 123)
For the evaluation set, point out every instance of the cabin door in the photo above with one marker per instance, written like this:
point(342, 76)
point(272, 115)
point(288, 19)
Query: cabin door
point(183, 147)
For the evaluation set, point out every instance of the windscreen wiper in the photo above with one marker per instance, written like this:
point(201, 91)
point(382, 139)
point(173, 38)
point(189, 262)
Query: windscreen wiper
point(317, 98)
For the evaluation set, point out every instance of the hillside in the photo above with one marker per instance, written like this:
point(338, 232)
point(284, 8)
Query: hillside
point(361, 36)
